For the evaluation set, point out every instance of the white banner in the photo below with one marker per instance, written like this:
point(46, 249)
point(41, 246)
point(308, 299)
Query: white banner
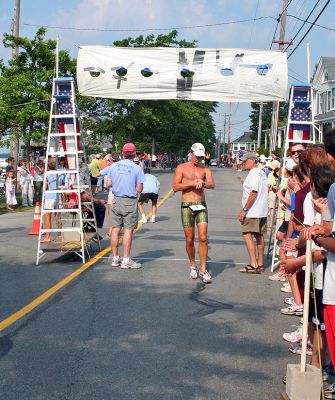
point(228, 75)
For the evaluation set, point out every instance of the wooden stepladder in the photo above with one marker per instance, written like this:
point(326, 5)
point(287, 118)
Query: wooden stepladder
point(72, 215)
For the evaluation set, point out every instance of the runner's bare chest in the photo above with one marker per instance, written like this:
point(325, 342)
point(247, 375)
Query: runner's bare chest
point(192, 172)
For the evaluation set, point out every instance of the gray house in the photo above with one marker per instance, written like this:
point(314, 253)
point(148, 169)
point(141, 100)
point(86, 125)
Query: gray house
point(324, 94)
point(244, 142)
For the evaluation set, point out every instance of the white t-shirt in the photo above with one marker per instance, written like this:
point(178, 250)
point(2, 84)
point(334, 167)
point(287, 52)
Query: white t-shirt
point(329, 280)
point(256, 181)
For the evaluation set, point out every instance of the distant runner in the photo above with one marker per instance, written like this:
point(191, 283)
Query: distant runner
point(191, 179)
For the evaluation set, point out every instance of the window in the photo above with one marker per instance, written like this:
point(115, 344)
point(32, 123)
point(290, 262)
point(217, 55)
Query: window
point(326, 76)
point(333, 99)
point(329, 100)
point(321, 103)
point(242, 147)
point(252, 147)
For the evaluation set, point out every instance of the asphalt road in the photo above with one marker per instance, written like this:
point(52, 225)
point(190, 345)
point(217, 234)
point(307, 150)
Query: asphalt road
point(144, 334)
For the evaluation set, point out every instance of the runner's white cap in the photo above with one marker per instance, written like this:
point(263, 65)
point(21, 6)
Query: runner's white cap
point(198, 149)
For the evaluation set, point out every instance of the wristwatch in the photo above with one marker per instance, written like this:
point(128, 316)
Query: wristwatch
point(245, 209)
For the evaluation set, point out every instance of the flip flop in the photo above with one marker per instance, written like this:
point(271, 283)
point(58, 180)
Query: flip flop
point(249, 269)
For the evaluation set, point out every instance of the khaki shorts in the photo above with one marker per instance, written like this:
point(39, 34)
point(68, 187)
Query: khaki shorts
point(254, 225)
point(124, 212)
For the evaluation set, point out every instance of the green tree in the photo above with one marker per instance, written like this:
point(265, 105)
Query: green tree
point(25, 87)
point(266, 117)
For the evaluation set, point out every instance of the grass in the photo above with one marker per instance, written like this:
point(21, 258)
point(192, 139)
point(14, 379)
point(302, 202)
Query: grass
point(18, 208)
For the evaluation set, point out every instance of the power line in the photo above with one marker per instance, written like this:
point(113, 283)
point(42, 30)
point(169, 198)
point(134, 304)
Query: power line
point(318, 16)
point(152, 29)
point(24, 104)
point(309, 22)
point(316, 4)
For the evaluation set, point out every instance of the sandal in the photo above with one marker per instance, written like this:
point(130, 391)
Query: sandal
point(260, 268)
point(249, 269)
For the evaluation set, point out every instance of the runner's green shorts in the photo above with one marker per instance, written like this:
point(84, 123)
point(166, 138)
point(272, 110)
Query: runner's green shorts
point(188, 217)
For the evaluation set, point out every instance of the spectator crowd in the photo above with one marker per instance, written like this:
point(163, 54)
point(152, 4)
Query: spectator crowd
point(304, 190)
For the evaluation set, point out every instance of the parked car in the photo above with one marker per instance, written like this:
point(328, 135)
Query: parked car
point(213, 162)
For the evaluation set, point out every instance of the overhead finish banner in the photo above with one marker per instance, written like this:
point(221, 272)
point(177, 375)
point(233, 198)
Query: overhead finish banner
point(227, 75)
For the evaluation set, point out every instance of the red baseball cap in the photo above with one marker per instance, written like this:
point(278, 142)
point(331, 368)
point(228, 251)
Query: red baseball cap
point(129, 148)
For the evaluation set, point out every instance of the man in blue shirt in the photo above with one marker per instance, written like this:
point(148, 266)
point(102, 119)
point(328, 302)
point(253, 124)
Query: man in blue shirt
point(149, 192)
point(127, 180)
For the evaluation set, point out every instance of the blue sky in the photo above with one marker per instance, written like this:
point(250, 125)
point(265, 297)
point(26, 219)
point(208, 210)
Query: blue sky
point(142, 14)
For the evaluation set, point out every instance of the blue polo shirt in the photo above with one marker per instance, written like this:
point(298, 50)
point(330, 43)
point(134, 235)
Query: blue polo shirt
point(125, 176)
point(151, 184)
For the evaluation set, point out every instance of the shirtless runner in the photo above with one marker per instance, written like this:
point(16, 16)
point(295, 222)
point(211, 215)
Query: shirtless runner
point(191, 179)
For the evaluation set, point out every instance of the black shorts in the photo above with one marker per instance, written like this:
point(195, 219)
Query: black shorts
point(145, 197)
point(283, 227)
point(319, 309)
point(94, 181)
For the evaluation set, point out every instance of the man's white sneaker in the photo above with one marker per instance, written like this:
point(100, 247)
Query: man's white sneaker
point(116, 261)
point(143, 220)
point(293, 337)
point(153, 218)
point(293, 310)
point(277, 277)
point(205, 276)
point(193, 273)
point(131, 264)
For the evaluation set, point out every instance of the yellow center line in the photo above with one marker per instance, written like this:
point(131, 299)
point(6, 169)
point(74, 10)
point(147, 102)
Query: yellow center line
point(46, 295)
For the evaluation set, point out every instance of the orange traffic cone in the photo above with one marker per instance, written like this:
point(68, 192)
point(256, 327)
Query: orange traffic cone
point(35, 229)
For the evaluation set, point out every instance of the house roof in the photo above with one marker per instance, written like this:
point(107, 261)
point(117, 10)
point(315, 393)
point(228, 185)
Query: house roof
point(328, 116)
point(326, 64)
point(245, 138)
point(329, 66)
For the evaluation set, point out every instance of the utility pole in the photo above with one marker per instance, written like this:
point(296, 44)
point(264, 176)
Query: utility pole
point(259, 136)
point(228, 141)
point(224, 134)
point(14, 144)
point(276, 105)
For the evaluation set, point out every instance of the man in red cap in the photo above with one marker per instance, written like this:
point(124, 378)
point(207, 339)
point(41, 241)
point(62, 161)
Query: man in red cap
point(126, 179)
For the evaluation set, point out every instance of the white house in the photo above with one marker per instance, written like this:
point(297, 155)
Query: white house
point(324, 93)
point(244, 142)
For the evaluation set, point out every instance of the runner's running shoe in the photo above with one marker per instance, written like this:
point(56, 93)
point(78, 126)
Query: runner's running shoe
point(205, 276)
point(153, 218)
point(193, 273)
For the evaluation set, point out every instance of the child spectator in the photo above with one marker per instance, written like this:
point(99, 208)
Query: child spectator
point(10, 190)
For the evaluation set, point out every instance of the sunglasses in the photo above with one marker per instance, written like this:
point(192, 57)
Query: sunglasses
point(296, 152)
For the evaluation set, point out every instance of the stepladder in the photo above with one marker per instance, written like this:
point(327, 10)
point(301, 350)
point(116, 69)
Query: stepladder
point(300, 129)
point(68, 210)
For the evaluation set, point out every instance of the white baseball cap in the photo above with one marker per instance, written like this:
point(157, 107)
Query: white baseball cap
point(198, 149)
